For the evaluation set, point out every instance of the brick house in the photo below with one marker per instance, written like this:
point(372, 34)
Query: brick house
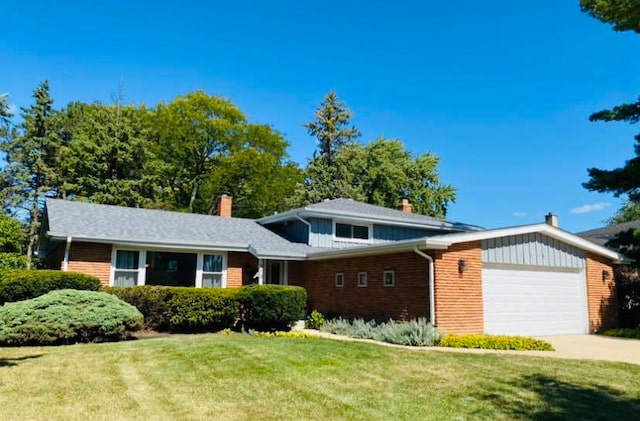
point(354, 259)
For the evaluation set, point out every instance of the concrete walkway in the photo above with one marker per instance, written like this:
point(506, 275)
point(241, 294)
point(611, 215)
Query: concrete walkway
point(574, 347)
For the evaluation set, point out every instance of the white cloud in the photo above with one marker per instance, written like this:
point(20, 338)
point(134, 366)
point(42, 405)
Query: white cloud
point(596, 207)
point(519, 214)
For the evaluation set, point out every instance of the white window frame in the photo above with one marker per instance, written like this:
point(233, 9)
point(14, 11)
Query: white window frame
point(200, 268)
point(363, 275)
point(339, 275)
point(352, 223)
point(142, 260)
point(393, 278)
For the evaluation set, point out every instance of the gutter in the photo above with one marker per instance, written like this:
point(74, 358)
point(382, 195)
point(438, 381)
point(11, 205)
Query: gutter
point(304, 221)
point(432, 284)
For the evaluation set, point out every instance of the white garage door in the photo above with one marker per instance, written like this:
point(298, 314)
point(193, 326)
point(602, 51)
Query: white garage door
point(532, 302)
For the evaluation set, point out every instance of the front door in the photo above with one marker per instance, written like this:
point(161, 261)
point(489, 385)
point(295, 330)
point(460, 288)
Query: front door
point(276, 272)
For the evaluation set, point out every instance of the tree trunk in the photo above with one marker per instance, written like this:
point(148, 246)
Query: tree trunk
point(194, 193)
point(33, 229)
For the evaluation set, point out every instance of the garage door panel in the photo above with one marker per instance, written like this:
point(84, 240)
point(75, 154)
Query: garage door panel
point(533, 302)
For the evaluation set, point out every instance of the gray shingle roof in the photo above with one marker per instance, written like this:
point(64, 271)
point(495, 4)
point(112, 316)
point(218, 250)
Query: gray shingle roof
point(603, 235)
point(115, 223)
point(348, 207)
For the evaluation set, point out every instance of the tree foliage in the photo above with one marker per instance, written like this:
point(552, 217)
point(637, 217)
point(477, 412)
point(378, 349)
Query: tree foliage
point(624, 15)
point(32, 155)
point(380, 173)
point(332, 127)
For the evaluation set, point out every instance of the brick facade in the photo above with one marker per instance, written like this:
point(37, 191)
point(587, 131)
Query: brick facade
point(408, 298)
point(92, 259)
point(601, 293)
point(240, 269)
point(458, 296)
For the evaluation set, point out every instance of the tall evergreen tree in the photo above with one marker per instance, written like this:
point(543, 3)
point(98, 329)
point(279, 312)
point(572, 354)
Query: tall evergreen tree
point(32, 156)
point(332, 127)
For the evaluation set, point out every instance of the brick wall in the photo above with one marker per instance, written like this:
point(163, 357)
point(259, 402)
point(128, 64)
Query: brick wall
point(407, 299)
point(92, 259)
point(458, 296)
point(240, 269)
point(601, 294)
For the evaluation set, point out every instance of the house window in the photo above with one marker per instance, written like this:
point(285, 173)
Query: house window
point(352, 232)
point(212, 271)
point(168, 268)
point(126, 270)
point(339, 279)
point(362, 279)
point(389, 278)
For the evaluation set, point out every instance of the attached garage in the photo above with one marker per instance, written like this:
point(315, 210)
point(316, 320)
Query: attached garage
point(532, 280)
point(534, 301)
point(533, 284)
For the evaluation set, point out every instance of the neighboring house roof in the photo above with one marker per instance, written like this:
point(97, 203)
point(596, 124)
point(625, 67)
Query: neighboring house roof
point(602, 236)
point(354, 210)
point(446, 240)
point(121, 225)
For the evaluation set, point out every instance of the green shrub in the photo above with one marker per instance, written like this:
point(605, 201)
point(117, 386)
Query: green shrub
point(12, 261)
point(412, 333)
point(271, 307)
point(18, 285)
point(151, 301)
point(495, 342)
point(67, 316)
point(176, 309)
point(315, 320)
point(181, 309)
point(202, 309)
point(623, 333)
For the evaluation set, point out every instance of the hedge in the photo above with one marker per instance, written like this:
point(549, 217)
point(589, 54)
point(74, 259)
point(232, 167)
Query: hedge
point(495, 342)
point(622, 333)
point(18, 285)
point(67, 316)
point(181, 309)
point(271, 307)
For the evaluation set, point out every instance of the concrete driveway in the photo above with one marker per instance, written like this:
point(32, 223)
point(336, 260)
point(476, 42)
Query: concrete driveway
point(595, 347)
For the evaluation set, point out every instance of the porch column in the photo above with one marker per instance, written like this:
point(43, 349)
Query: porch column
point(260, 273)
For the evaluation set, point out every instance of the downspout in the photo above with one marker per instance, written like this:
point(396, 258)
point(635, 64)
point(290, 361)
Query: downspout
point(65, 263)
point(432, 299)
point(308, 224)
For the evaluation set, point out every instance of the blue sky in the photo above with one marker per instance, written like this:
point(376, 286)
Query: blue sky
point(501, 91)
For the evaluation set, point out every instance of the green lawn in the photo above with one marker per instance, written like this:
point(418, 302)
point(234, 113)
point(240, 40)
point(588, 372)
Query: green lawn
point(243, 377)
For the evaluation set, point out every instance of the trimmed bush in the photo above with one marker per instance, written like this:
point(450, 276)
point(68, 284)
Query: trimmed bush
point(67, 316)
point(201, 310)
point(315, 320)
point(176, 309)
point(515, 343)
point(18, 285)
point(622, 333)
point(271, 307)
point(412, 333)
point(151, 301)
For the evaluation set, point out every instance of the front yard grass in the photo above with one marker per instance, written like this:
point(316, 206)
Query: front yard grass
point(246, 377)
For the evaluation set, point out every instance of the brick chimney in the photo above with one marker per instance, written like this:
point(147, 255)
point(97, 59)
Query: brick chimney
point(405, 206)
point(551, 219)
point(223, 207)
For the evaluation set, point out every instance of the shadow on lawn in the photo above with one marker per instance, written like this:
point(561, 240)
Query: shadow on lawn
point(10, 362)
point(557, 400)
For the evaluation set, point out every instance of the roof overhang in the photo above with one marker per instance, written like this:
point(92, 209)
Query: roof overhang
point(424, 243)
point(177, 245)
point(545, 229)
point(330, 214)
